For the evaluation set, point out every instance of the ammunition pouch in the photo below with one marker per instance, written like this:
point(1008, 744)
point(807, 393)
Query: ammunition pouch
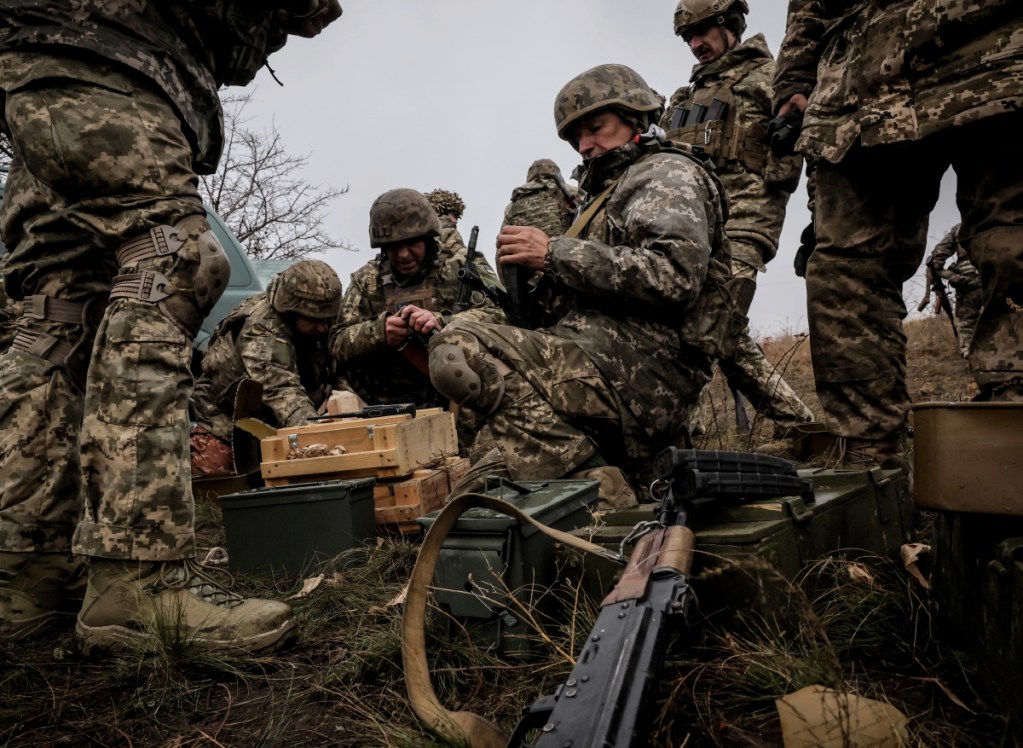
point(726, 143)
point(718, 317)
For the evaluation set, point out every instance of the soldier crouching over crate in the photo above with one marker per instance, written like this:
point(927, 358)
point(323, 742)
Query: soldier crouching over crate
point(646, 269)
point(279, 339)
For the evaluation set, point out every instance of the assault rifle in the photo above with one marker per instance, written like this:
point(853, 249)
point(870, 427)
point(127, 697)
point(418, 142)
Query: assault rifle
point(469, 278)
point(372, 411)
point(936, 285)
point(607, 699)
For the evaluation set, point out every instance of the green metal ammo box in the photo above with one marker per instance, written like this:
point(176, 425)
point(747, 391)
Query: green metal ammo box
point(287, 530)
point(490, 563)
point(747, 547)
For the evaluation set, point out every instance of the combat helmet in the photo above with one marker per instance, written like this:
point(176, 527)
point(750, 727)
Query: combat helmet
point(309, 288)
point(728, 13)
point(446, 201)
point(604, 87)
point(543, 167)
point(401, 214)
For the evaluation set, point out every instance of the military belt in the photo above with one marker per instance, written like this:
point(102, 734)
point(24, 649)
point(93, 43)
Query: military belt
point(39, 306)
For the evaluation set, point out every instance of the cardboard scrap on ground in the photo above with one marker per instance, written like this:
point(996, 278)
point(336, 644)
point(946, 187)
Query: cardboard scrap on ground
point(819, 717)
point(915, 555)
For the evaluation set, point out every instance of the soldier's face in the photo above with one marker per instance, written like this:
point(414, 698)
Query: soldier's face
point(310, 327)
point(708, 41)
point(406, 257)
point(600, 133)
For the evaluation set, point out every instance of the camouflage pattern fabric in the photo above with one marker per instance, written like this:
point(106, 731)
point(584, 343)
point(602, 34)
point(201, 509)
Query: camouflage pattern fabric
point(187, 50)
point(10, 310)
point(895, 99)
point(374, 370)
point(541, 204)
point(758, 186)
point(256, 342)
point(965, 281)
point(612, 374)
point(450, 240)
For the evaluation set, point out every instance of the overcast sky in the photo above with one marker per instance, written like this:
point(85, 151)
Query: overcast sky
point(459, 94)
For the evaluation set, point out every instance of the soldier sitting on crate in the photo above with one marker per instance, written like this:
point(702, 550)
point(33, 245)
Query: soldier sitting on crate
point(279, 339)
point(645, 269)
point(401, 297)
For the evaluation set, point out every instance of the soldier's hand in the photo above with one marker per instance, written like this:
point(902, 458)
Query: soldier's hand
point(321, 14)
point(522, 245)
point(798, 101)
point(422, 321)
point(396, 330)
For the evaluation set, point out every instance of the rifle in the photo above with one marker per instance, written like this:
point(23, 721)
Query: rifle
point(783, 132)
point(607, 699)
point(742, 421)
point(936, 285)
point(469, 277)
point(372, 411)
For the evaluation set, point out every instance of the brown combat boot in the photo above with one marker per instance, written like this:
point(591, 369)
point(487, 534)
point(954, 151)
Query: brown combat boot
point(147, 606)
point(38, 590)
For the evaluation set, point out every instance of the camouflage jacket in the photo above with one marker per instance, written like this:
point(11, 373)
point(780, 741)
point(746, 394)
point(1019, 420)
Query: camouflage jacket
point(255, 342)
point(636, 271)
point(375, 371)
point(758, 184)
point(961, 274)
point(188, 49)
point(887, 71)
point(450, 239)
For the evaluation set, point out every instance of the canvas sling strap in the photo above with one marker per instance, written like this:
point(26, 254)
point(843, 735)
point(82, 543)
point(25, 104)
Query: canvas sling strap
point(583, 221)
point(458, 728)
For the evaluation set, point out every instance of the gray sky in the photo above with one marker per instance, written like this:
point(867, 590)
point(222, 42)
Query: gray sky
point(459, 94)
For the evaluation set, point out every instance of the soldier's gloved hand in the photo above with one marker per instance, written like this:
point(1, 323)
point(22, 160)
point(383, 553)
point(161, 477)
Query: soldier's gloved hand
point(320, 14)
point(396, 330)
point(422, 321)
point(808, 243)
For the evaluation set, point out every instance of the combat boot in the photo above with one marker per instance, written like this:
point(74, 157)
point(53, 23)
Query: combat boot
point(148, 606)
point(38, 590)
point(615, 492)
point(869, 453)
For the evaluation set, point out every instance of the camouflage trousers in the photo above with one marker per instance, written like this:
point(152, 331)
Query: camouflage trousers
point(557, 409)
point(93, 419)
point(967, 310)
point(749, 372)
point(872, 218)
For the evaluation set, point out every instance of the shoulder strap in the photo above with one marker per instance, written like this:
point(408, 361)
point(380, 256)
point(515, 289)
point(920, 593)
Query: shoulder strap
point(583, 221)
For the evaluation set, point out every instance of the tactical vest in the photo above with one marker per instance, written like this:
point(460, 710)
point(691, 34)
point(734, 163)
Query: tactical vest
point(424, 295)
point(714, 322)
point(541, 206)
point(709, 123)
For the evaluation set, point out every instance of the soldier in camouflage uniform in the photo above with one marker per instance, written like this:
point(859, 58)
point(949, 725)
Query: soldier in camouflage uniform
point(450, 207)
point(112, 109)
point(397, 299)
point(965, 281)
point(725, 110)
point(279, 339)
point(645, 266)
point(895, 92)
point(10, 310)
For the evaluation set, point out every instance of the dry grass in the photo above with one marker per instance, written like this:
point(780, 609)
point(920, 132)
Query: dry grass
point(341, 684)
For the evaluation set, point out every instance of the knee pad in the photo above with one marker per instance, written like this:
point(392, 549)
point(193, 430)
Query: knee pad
point(461, 370)
point(182, 269)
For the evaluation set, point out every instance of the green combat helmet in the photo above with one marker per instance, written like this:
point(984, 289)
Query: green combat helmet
point(543, 167)
point(309, 288)
point(728, 13)
point(401, 214)
point(446, 201)
point(604, 87)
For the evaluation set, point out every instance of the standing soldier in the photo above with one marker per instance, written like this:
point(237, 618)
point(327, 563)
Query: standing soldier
point(279, 339)
point(112, 109)
point(965, 281)
point(397, 299)
point(725, 110)
point(645, 267)
point(547, 203)
point(894, 92)
point(449, 207)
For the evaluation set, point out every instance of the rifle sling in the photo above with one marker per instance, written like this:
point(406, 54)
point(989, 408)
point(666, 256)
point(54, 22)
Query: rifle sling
point(583, 221)
point(463, 728)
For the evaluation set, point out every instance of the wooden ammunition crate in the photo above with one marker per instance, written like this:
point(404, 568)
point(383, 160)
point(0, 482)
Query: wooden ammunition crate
point(385, 447)
point(400, 502)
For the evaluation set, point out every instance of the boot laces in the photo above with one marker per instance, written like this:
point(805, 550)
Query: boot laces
point(200, 581)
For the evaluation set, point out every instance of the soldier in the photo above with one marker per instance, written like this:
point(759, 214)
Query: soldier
point(610, 382)
point(112, 109)
point(894, 92)
point(279, 339)
point(395, 300)
point(547, 203)
point(725, 110)
point(450, 207)
point(965, 281)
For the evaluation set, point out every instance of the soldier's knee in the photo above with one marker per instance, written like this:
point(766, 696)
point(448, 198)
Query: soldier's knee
point(463, 371)
point(182, 269)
